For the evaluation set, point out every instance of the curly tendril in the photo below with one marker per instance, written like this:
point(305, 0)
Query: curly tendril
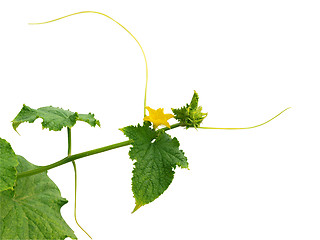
point(144, 55)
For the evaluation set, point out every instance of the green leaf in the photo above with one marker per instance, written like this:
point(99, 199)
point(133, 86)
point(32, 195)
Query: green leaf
point(89, 118)
point(156, 155)
point(32, 209)
point(190, 115)
point(53, 118)
point(8, 164)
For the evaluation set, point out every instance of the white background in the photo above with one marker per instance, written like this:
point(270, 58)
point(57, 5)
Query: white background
point(248, 60)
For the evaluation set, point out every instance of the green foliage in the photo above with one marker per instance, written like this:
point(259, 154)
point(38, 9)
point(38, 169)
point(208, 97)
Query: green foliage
point(156, 155)
point(31, 210)
point(53, 118)
point(190, 115)
point(8, 164)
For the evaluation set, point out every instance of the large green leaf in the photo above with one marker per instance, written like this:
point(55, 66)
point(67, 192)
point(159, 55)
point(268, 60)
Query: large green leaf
point(156, 155)
point(53, 118)
point(32, 209)
point(8, 164)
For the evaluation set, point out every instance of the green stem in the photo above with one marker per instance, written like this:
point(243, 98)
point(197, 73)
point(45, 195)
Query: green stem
point(171, 127)
point(69, 141)
point(84, 154)
point(74, 157)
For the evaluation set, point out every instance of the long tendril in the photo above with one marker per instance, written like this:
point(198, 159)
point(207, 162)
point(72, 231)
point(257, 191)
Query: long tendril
point(246, 127)
point(144, 55)
point(75, 182)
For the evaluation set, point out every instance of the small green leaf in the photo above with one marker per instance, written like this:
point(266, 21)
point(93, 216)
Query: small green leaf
point(194, 101)
point(8, 164)
point(190, 115)
point(32, 209)
point(53, 118)
point(156, 155)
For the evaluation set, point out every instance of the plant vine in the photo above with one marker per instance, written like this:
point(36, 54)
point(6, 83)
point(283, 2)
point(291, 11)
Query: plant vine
point(155, 154)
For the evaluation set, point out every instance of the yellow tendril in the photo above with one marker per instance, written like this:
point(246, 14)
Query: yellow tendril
point(144, 55)
point(246, 127)
point(75, 198)
point(75, 182)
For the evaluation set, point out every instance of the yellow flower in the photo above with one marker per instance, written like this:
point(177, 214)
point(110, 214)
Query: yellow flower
point(157, 117)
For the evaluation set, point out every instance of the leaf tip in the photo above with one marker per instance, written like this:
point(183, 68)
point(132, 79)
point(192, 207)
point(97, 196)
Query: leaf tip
point(138, 205)
point(15, 126)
